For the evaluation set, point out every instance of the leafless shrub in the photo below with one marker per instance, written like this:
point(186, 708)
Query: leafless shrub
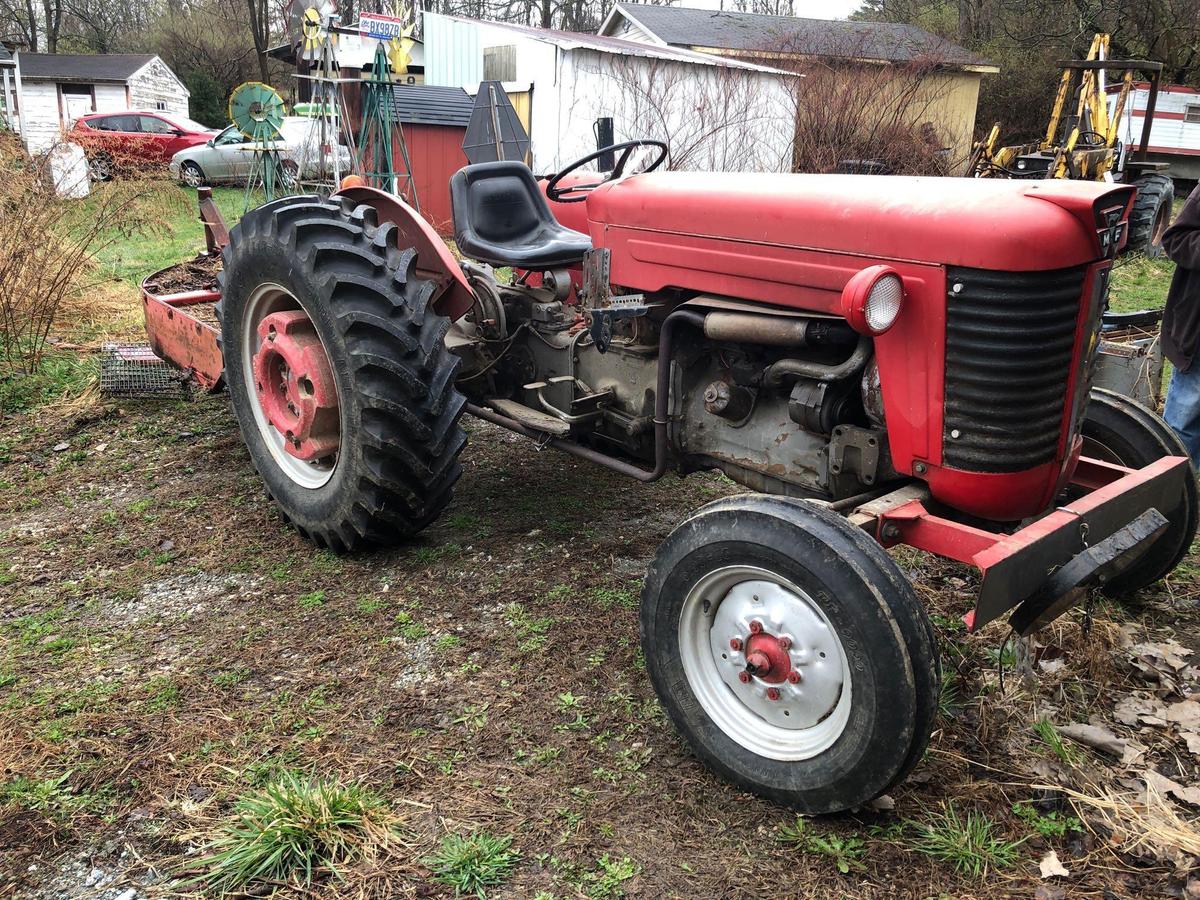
point(46, 247)
point(713, 117)
point(855, 107)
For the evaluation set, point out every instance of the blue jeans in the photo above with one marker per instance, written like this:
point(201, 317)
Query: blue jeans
point(1182, 410)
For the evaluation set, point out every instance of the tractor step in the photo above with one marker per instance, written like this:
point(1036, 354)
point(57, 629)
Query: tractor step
point(531, 418)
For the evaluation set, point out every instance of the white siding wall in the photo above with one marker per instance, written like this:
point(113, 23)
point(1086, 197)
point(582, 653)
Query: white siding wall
point(40, 126)
point(156, 83)
point(627, 31)
point(111, 98)
point(714, 118)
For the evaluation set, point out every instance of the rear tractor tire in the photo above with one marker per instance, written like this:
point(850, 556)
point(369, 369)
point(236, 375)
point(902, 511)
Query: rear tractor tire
point(1119, 430)
point(1151, 214)
point(338, 372)
point(790, 652)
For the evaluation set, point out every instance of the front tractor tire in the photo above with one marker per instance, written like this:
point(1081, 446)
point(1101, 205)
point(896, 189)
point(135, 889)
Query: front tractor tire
point(1151, 214)
point(790, 652)
point(338, 372)
point(1119, 430)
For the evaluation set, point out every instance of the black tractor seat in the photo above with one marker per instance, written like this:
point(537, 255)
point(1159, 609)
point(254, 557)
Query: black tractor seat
point(502, 218)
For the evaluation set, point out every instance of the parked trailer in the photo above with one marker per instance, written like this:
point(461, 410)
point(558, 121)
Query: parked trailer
point(1174, 129)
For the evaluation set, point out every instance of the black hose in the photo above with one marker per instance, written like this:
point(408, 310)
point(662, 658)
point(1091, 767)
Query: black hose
point(803, 368)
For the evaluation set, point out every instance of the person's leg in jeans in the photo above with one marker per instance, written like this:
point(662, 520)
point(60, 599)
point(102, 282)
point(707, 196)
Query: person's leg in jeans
point(1182, 410)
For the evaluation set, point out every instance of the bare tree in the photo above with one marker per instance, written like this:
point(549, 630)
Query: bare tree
point(713, 118)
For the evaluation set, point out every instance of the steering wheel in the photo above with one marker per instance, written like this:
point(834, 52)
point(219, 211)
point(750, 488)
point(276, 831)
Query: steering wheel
point(568, 194)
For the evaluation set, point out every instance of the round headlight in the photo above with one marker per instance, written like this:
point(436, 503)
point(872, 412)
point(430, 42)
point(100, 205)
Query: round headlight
point(883, 303)
point(871, 300)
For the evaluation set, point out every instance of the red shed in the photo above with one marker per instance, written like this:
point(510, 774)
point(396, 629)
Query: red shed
point(435, 122)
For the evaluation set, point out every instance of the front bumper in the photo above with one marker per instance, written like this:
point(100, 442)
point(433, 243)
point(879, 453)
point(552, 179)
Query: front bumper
point(1039, 568)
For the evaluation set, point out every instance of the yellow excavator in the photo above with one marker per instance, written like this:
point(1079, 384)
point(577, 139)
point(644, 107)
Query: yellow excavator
point(1087, 146)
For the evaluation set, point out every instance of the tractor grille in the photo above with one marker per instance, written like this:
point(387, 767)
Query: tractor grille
point(1010, 340)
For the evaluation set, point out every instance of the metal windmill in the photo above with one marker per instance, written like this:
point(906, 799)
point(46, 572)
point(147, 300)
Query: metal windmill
point(381, 143)
point(315, 31)
point(257, 111)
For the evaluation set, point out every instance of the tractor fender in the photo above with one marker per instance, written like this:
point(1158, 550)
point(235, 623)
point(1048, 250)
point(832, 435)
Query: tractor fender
point(453, 297)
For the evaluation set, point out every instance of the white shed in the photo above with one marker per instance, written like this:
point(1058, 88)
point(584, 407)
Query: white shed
point(57, 88)
point(717, 114)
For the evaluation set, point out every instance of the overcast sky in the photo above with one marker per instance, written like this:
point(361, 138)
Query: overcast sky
point(809, 9)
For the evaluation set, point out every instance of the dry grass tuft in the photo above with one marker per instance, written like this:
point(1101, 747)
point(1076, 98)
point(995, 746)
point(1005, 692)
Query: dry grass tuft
point(1142, 823)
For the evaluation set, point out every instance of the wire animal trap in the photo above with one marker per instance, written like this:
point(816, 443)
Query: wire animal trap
point(133, 371)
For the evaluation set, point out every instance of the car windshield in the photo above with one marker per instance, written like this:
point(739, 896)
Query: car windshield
point(186, 124)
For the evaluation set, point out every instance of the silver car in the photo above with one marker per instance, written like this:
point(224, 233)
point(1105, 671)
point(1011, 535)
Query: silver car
point(229, 157)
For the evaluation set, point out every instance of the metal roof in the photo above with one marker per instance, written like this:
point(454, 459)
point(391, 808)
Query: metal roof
point(721, 30)
point(427, 104)
point(571, 40)
point(82, 67)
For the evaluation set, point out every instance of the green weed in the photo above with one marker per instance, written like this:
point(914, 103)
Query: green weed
point(1049, 825)
point(311, 601)
point(970, 843)
point(845, 852)
point(1048, 735)
point(293, 830)
point(473, 863)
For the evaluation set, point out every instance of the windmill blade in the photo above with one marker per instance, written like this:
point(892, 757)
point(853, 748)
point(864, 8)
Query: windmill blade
point(308, 22)
point(257, 110)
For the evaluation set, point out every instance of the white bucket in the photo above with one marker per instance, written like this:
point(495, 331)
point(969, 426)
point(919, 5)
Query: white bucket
point(69, 171)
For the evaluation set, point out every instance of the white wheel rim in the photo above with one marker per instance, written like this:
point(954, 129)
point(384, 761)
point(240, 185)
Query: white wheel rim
point(266, 299)
point(807, 717)
point(191, 176)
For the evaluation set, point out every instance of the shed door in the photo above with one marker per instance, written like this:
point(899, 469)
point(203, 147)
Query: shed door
point(77, 101)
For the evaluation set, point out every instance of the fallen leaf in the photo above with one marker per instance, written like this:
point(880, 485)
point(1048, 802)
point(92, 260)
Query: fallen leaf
point(1133, 709)
point(1192, 739)
point(1095, 737)
point(59, 448)
point(1186, 714)
point(1052, 868)
point(1051, 666)
point(1164, 785)
point(882, 803)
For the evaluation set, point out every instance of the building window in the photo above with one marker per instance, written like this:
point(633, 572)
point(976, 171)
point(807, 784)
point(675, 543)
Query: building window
point(1191, 114)
point(160, 104)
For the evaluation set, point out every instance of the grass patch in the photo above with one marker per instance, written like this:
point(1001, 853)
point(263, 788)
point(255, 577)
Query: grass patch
point(1140, 283)
point(971, 843)
point(474, 863)
point(1049, 737)
point(844, 852)
point(294, 830)
point(59, 376)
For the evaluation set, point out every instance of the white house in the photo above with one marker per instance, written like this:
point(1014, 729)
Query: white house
point(716, 113)
point(54, 89)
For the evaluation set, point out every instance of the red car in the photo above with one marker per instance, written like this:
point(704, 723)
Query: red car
point(115, 141)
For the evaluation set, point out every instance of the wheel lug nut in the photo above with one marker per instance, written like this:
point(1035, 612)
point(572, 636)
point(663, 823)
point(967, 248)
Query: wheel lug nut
point(735, 644)
point(772, 693)
point(756, 627)
point(793, 677)
point(785, 643)
point(744, 677)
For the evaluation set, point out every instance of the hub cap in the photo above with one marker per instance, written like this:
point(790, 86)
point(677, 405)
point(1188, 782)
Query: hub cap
point(291, 384)
point(765, 663)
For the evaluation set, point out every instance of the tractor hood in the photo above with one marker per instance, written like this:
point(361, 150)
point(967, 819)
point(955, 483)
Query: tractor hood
point(979, 223)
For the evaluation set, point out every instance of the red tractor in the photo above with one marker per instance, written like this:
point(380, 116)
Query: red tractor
point(879, 361)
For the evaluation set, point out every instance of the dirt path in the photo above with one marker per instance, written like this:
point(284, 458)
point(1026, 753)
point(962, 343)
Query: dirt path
point(168, 644)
